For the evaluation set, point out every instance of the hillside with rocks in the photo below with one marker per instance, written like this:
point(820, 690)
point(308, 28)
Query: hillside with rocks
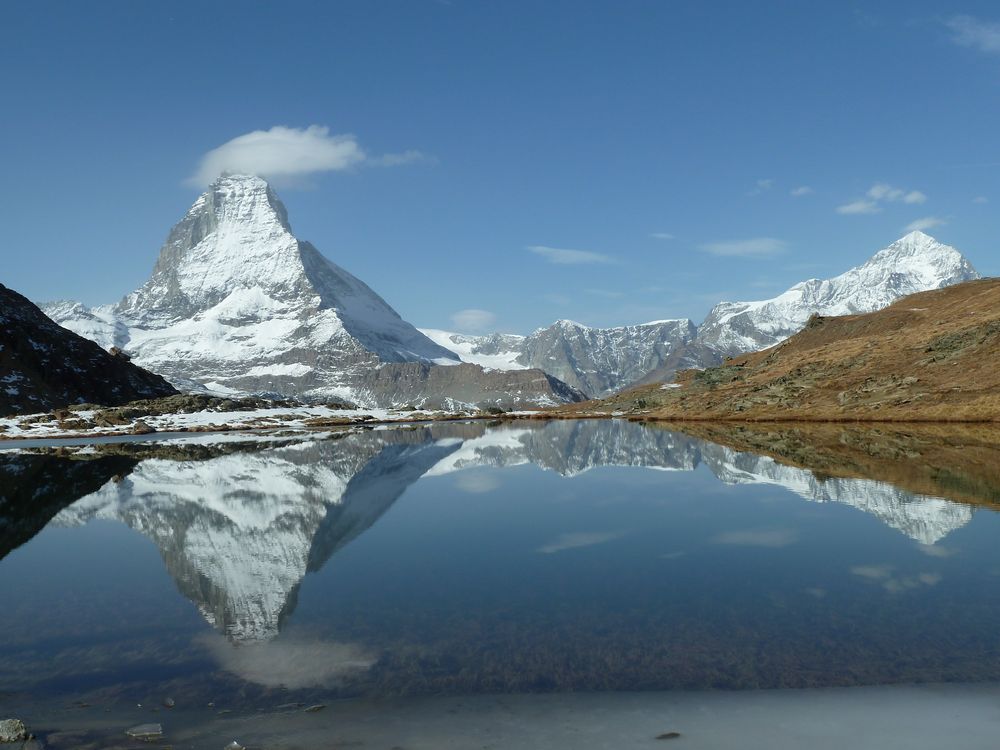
point(929, 356)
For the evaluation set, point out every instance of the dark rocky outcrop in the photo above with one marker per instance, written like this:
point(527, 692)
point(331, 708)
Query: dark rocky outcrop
point(44, 366)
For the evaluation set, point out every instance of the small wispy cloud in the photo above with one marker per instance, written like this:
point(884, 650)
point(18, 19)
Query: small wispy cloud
point(877, 195)
point(762, 186)
point(578, 539)
point(975, 33)
point(287, 153)
point(800, 191)
point(473, 319)
point(883, 192)
point(859, 207)
point(758, 537)
point(568, 257)
point(925, 223)
point(756, 247)
point(980, 199)
point(477, 483)
point(661, 235)
point(606, 293)
point(885, 576)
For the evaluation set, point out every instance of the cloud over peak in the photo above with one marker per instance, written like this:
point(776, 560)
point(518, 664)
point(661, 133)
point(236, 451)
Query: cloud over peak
point(284, 153)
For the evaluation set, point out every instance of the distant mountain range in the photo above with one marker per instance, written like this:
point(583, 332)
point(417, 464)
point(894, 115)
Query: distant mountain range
point(930, 356)
point(236, 304)
point(600, 361)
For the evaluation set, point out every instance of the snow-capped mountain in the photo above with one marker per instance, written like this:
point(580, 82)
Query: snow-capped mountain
point(237, 303)
point(45, 366)
point(914, 263)
point(598, 361)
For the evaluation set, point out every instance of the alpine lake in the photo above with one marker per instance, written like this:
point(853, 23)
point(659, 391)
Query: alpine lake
point(588, 583)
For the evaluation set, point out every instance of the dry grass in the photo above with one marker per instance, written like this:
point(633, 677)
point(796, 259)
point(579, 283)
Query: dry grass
point(933, 356)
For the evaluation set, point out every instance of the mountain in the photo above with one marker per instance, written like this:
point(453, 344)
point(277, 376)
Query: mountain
point(44, 366)
point(929, 356)
point(914, 263)
point(600, 361)
point(597, 361)
point(237, 303)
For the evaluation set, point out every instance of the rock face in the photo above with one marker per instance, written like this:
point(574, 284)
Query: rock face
point(44, 366)
point(600, 361)
point(597, 361)
point(237, 303)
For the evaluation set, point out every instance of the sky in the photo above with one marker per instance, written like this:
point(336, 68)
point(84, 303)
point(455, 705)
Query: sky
point(500, 165)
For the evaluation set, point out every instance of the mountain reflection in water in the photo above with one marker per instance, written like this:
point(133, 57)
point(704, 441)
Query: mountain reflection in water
point(492, 558)
point(240, 525)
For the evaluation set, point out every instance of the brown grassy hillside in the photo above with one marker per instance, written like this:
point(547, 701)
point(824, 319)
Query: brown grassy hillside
point(930, 356)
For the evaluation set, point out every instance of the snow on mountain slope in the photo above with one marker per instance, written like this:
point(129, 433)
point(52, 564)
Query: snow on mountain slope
point(498, 351)
point(237, 303)
point(235, 299)
point(914, 263)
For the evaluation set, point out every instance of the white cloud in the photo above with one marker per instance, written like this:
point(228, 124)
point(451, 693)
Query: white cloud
point(878, 194)
point(800, 191)
point(922, 225)
point(567, 257)
point(762, 185)
point(980, 199)
point(758, 537)
point(477, 483)
point(661, 235)
point(880, 191)
point(859, 207)
point(578, 539)
point(290, 663)
point(473, 319)
point(284, 153)
point(757, 247)
point(972, 32)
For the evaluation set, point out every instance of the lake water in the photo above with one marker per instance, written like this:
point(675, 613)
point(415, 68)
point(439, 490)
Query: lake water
point(372, 571)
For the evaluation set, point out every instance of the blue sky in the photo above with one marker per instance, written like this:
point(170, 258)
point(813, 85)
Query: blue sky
point(662, 143)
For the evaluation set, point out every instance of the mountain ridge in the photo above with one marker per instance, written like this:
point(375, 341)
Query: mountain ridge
point(236, 304)
point(600, 361)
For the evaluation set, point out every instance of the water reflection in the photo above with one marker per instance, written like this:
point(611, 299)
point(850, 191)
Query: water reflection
point(239, 525)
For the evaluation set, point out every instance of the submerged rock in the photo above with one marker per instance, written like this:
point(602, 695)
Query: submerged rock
point(145, 731)
point(12, 730)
